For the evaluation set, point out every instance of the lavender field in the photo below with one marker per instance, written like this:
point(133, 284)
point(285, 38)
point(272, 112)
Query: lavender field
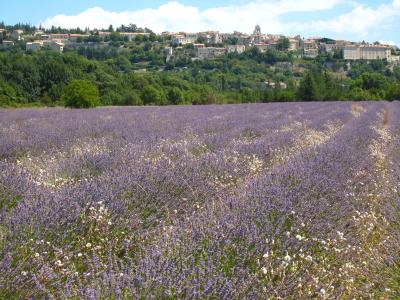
point(278, 201)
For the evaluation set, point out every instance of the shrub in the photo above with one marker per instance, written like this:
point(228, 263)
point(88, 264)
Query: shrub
point(153, 95)
point(80, 94)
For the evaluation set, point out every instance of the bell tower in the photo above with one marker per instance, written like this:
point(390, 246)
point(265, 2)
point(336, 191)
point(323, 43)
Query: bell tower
point(257, 30)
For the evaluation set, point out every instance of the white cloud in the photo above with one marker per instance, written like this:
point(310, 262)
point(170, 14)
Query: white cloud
point(390, 43)
point(174, 16)
point(361, 20)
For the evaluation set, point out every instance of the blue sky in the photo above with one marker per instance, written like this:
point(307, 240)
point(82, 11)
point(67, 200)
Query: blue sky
point(348, 19)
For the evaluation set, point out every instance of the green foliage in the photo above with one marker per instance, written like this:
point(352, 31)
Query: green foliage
point(358, 94)
point(308, 90)
point(371, 81)
point(152, 95)
point(283, 44)
point(132, 98)
point(137, 74)
point(175, 96)
point(80, 94)
point(393, 92)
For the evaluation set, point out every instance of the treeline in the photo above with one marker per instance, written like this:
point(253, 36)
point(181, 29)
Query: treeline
point(30, 29)
point(140, 76)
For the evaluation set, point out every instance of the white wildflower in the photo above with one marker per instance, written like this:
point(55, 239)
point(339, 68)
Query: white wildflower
point(299, 237)
point(287, 258)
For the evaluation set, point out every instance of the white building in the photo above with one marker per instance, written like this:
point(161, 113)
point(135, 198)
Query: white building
point(38, 32)
point(294, 43)
point(366, 52)
point(310, 48)
point(8, 43)
point(262, 47)
point(236, 49)
point(16, 34)
point(210, 52)
point(181, 39)
point(57, 47)
point(59, 36)
point(34, 46)
point(216, 38)
point(104, 33)
point(311, 53)
point(53, 46)
point(352, 52)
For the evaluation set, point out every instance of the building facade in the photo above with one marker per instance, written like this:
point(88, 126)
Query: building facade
point(181, 39)
point(366, 52)
point(236, 49)
point(210, 52)
point(34, 46)
point(16, 34)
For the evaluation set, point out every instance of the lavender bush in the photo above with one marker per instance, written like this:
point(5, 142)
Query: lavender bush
point(254, 201)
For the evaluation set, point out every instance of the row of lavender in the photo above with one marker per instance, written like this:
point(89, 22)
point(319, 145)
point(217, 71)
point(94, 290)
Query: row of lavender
point(247, 201)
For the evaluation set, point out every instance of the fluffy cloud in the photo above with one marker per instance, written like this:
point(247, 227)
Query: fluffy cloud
point(174, 16)
point(390, 43)
point(361, 20)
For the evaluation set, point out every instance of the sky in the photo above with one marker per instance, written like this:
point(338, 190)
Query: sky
point(339, 19)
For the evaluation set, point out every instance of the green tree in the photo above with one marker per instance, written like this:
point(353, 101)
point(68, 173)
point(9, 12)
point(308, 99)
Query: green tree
point(152, 95)
point(393, 92)
point(175, 95)
point(132, 99)
point(369, 81)
point(357, 93)
point(308, 90)
point(283, 44)
point(80, 94)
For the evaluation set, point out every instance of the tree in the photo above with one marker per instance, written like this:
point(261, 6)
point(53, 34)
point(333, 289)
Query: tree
point(357, 93)
point(283, 44)
point(175, 96)
point(369, 81)
point(80, 94)
point(132, 99)
point(308, 90)
point(201, 40)
point(393, 92)
point(152, 95)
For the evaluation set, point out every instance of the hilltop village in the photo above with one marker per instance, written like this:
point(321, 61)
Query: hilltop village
point(200, 45)
point(130, 65)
